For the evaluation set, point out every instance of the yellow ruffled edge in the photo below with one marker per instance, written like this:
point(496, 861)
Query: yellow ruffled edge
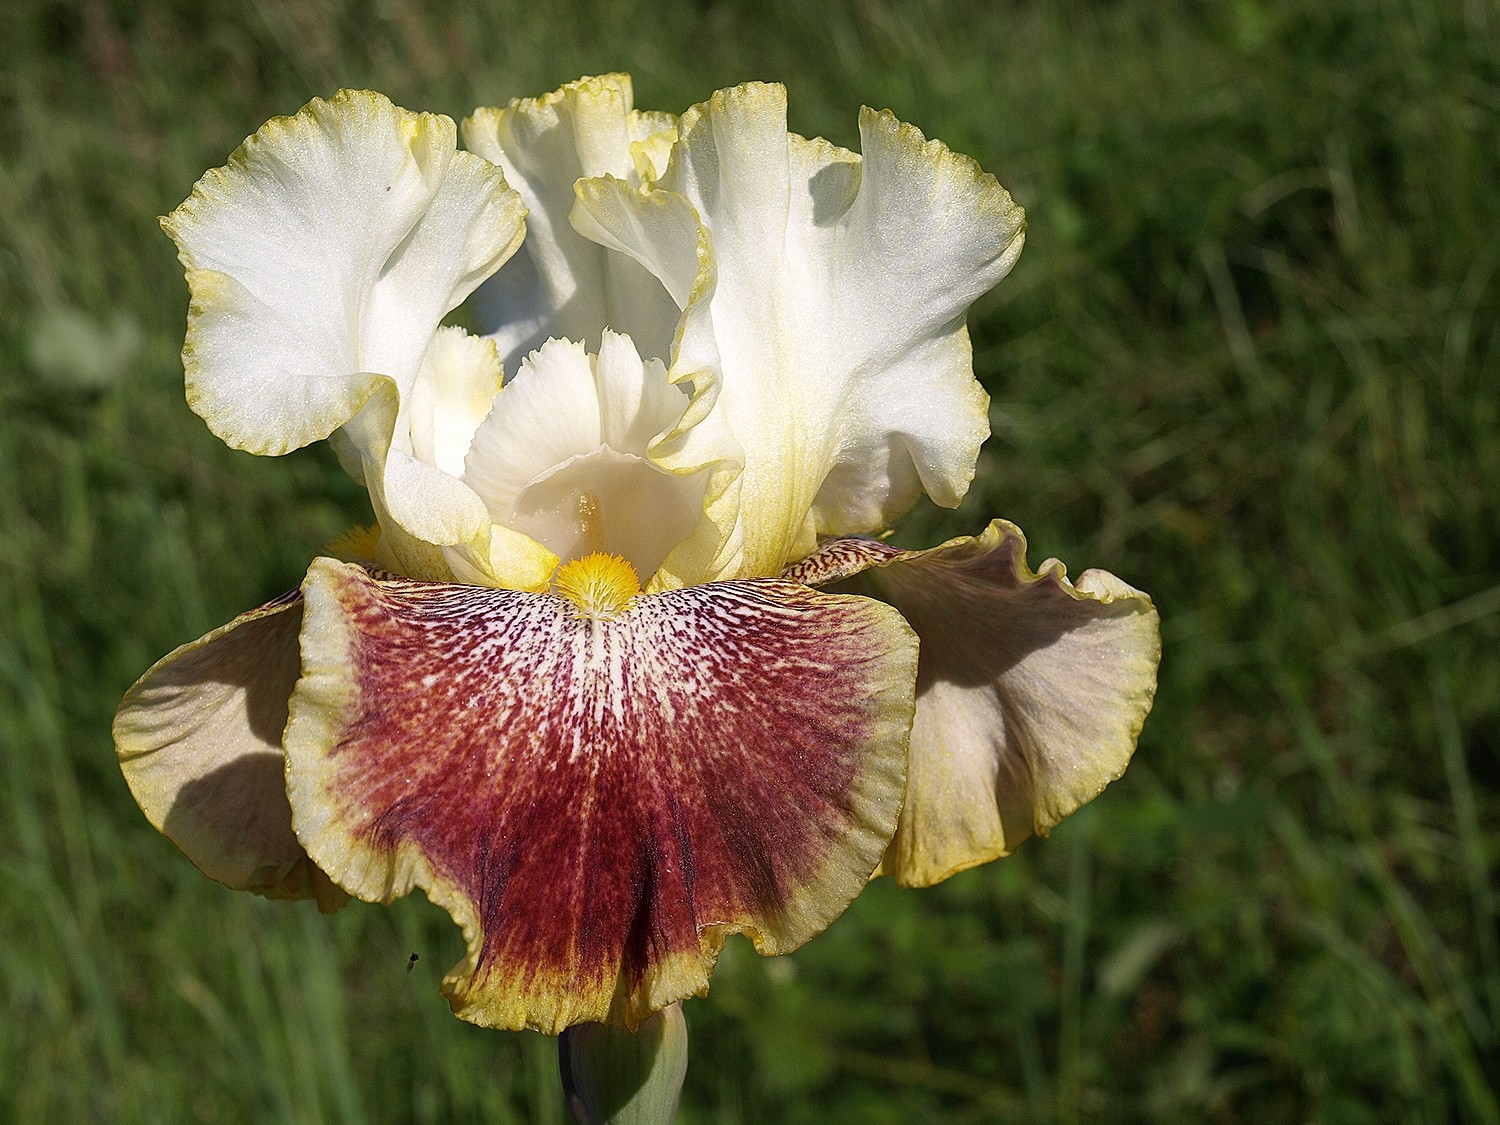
point(1093, 586)
point(209, 289)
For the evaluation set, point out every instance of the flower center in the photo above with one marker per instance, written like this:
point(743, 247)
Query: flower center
point(605, 500)
point(601, 587)
point(564, 456)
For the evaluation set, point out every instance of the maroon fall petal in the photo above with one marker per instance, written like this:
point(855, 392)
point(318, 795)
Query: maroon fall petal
point(598, 803)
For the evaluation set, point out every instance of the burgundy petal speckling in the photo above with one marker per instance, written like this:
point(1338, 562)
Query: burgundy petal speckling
point(598, 803)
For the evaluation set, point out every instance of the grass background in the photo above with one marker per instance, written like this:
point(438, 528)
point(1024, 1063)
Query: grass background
point(1249, 361)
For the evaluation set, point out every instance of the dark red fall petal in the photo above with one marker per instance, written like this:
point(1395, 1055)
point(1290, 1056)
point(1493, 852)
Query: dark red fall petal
point(598, 803)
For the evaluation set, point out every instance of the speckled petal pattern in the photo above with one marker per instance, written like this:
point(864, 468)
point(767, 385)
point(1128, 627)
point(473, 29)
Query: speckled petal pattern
point(836, 559)
point(598, 803)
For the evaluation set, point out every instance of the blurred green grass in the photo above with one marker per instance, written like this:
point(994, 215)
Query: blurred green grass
point(1249, 362)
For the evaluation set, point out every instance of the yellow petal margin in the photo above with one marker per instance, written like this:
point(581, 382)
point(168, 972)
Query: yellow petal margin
point(598, 801)
point(1031, 692)
point(199, 742)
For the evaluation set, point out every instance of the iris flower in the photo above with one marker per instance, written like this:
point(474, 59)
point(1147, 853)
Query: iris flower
point(622, 667)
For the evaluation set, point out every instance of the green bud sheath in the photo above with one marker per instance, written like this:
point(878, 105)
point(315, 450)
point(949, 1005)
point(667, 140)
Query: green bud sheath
point(612, 1076)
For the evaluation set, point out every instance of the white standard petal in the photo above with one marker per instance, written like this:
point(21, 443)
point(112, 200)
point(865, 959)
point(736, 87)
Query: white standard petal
point(455, 388)
point(562, 285)
point(323, 255)
point(432, 525)
point(565, 456)
point(826, 322)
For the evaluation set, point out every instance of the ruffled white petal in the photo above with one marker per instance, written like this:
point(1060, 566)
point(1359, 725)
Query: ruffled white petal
point(831, 341)
point(564, 457)
point(636, 403)
point(563, 285)
point(432, 525)
point(653, 135)
point(548, 414)
point(324, 255)
point(457, 385)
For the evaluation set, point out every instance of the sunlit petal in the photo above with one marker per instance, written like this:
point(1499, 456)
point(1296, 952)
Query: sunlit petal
point(662, 231)
point(598, 802)
point(831, 342)
point(433, 526)
point(324, 255)
point(199, 742)
point(562, 285)
point(565, 458)
point(455, 388)
point(1031, 690)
